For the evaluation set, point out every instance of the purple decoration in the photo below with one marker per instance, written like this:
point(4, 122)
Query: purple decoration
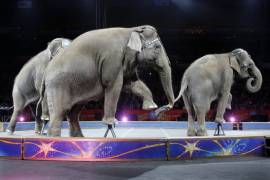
point(11, 148)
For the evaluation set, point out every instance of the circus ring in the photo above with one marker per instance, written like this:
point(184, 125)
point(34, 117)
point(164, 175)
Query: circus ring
point(136, 141)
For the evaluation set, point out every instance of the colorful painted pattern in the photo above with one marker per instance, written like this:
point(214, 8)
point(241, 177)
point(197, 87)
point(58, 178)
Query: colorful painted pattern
point(11, 148)
point(83, 149)
point(94, 150)
point(186, 149)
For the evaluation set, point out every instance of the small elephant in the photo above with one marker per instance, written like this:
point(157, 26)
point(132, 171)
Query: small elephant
point(100, 63)
point(211, 77)
point(28, 81)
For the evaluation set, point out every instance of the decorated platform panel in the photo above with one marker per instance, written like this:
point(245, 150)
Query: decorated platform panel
point(11, 148)
point(135, 141)
point(189, 148)
point(78, 149)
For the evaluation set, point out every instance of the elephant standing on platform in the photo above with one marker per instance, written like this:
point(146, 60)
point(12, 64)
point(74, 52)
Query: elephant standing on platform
point(100, 63)
point(211, 77)
point(27, 83)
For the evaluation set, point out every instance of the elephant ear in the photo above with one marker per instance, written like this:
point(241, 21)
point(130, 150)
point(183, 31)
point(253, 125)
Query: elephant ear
point(234, 63)
point(135, 42)
point(53, 48)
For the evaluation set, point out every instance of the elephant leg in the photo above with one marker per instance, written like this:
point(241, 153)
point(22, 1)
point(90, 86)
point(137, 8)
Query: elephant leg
point(112, 94)
point(45, 114)
point(12, 123)
point(73, 118)
point(229, 102)
point(58, 104)
point(38, 122)
point(191, 117)
point(54, 127)
point(19, 104)
point(142, 91)
point(201, 110)
point(222, 104)
point(45, 111)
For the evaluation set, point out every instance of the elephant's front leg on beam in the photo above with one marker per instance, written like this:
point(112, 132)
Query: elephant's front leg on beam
point(222, 105)
point(112, 93)
point(141, 90)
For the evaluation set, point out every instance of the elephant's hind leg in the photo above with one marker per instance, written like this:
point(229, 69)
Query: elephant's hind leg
point(12, 123)
point(38, 122)
point(73, 118)
point(201, 109)
point(19, 104)
point(191, 117)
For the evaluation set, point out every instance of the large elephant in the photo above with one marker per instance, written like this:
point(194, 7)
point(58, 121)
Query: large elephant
point(28, 82)
point(98, 64)
point(211, 77)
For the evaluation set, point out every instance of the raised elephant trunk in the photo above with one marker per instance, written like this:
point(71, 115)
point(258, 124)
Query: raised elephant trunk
point(165, 76)
point(254, 83)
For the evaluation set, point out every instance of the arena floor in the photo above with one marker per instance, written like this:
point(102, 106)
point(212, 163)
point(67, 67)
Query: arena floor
point(237, 168)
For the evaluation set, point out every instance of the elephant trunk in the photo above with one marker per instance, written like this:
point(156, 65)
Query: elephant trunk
point(166, 77)
point(254, 83)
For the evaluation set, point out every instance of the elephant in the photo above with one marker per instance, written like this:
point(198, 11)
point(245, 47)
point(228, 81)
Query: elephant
point(100, 63)
point(211, 77)
point(28, 82)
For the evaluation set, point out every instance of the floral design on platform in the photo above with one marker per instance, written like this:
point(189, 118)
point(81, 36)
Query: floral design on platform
point(93, 149)
point(193, 148)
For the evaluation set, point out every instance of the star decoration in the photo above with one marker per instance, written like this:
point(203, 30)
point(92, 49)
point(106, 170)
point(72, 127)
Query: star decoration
point(191, 147)
point(45, 148)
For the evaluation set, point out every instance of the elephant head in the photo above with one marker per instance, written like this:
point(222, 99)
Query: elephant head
point(242, 63)
point(55, 45)
point(149, 49)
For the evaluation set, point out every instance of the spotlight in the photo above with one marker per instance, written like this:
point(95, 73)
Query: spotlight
point(232, 119)
point(21, 119)
point(124, 119)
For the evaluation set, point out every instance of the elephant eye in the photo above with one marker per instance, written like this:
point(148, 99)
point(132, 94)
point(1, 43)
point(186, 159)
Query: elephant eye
point(244, 66)
point(157, 46)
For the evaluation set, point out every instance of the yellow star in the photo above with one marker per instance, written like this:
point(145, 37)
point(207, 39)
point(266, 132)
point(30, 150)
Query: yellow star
point(45, 148)
point(191, 147)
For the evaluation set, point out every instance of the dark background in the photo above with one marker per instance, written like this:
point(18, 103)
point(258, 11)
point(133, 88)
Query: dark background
point(189, 29)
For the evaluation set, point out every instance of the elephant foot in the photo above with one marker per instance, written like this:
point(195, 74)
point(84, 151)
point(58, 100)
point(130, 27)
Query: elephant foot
point(76, 134)
point(202, 132)
point(38, 129)
point(54, 132)
point(191, 132)
point(219, 120)
point(37, 132)
point(10, 132)
point(148, 105)
point(110, 121)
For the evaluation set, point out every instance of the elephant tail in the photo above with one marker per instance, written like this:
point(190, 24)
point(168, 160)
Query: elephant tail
point(41, 92)
point(183, 88)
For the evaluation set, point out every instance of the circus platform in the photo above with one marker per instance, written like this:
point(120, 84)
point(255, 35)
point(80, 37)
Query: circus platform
point(136, 141)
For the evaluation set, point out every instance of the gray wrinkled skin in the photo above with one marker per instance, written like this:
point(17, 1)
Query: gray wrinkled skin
point(98, 64)
point(210, 78)
point(28, 82)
